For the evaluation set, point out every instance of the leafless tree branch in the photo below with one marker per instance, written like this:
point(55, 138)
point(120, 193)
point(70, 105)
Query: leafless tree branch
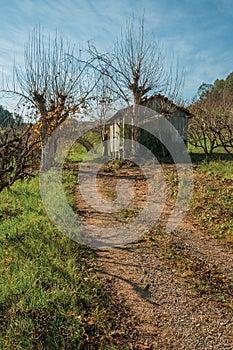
point(136, 66)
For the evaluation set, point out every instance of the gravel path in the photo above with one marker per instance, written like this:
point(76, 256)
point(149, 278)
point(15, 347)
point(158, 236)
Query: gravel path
point(178, 287)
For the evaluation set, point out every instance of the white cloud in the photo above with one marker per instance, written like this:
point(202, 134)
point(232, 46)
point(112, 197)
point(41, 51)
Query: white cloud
point(198, 33)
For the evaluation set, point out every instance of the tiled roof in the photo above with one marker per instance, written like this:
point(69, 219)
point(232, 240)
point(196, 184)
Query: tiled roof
point(170, 102)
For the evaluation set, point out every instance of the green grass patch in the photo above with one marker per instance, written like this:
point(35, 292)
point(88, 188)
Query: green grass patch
point(70, 180)
point(218, 168)
point(51, 297)
point(198, 155)
point(76, 153)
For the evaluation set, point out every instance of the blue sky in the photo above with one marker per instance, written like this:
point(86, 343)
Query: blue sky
point(200, 32)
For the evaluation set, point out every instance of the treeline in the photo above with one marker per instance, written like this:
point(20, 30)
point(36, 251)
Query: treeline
point(219, 87)
point(212, 126)
point(9, 119)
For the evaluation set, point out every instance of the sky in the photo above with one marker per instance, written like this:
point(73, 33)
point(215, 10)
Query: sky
point(199, 33)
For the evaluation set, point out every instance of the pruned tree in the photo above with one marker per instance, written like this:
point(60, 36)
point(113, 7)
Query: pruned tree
point(136, 66)
point(201, 133)
point(52, 84)
point(212, 126)
point(221, 108)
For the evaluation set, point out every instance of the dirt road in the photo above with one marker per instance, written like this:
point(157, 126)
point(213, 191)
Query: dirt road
point(178, 287)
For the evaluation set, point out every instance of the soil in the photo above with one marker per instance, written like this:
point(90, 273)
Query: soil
point(177, 287)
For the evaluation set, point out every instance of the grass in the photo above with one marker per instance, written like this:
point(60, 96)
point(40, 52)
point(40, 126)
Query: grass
point(211, 205)
point(217, 168)
point(69, 178)
point(51, 296)
point(211, 208)
point(212, 199)
point(78, 152)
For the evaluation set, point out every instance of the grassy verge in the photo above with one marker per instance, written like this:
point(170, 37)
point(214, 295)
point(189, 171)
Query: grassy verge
point(211, 204)
point(51, 297)
point(212, 199)
point(211, 208)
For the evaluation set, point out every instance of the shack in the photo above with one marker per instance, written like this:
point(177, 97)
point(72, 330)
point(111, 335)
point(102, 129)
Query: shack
point(130, 124)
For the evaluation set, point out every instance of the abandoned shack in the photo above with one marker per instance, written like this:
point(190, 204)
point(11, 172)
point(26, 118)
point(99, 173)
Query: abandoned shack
point(125, 125)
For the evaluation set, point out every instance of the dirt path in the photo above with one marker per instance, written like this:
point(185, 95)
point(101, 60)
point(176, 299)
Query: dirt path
point(178, 287)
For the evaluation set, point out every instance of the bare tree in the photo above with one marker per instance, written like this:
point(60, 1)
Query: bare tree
point(19, 154)
point(102, 106)
point(221, 108)
point(201, 133)
point(51, 83)
point(137, 66)
point(212, 126)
